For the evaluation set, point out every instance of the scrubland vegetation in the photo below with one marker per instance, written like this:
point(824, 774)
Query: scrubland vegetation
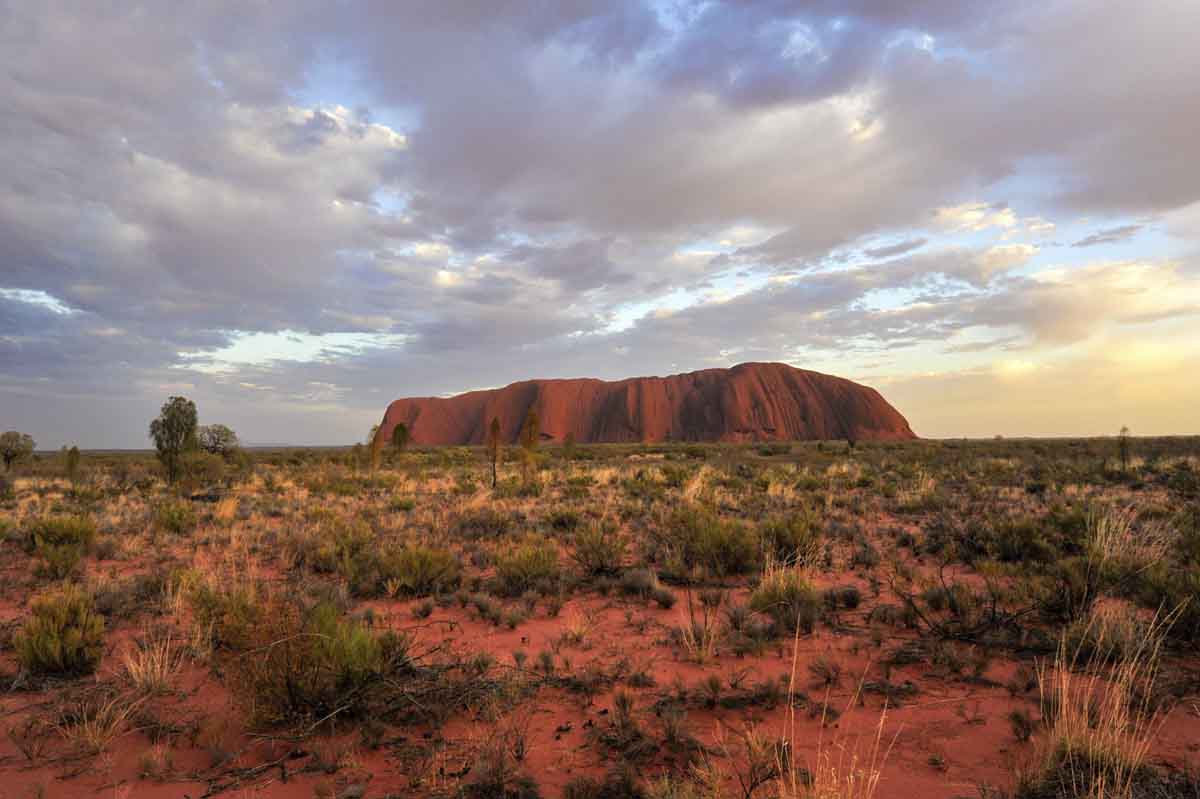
point(990, 618)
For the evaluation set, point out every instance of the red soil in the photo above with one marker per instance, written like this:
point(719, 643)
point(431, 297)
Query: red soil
point(749, 402)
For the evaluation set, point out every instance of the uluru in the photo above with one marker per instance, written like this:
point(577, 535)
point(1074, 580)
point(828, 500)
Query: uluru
point(745, 403)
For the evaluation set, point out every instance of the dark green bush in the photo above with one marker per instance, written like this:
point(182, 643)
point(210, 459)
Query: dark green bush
point(795, 538)
point(419, 570)
point(176, 517)
point(528, 566)
point(693, 538)
point(789, 599)
point(599, 550)
point(64, 636)
point(61, 542)
point(304, 665)
point(483, 523)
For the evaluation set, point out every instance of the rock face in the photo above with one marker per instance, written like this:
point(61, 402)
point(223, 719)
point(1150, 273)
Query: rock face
point(749, 402)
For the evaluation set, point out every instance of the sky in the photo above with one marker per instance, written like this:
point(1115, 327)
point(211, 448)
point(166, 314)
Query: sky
point(294, 212)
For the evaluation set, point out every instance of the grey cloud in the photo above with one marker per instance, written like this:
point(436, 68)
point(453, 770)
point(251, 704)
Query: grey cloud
point(892, 250)
point(1108, 236)
point(566, 154)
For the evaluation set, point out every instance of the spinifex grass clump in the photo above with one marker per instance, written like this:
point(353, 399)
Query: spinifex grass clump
point(787, 596)
point(599, 550)
point(308, 665)
point(527, 566)
point(694, 540)
point(1098, 706)
point(61, 542)
point(795, 538)
point(420, 570)
point(177, 517)
point(64, 636)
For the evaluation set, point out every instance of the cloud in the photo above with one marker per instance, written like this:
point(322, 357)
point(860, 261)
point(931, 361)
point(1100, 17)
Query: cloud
point(1108, 236)
point(584, 187)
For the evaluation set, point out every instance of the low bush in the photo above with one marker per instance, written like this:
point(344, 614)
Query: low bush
point(76, 531)
point(305, 665)
point(789, 599)
point(695, 539)
point(528, 566)
point(177, 517)
point(599, 550)
point(61, 542)
point(64, 636)
point(419, 570)
point(483, 523)
point(792, 539)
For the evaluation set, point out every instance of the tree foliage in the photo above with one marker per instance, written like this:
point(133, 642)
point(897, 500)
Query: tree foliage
point(174, 432)
point(400, 436)
point(14, 446)
point(493, 445)
point(530, 435)
point(217, 439)
point(72, 463)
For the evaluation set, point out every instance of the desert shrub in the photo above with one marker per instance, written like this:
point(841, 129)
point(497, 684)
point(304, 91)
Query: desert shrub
point(1022, 541)
point(402, 504)
point(482, 523)
point(419, 570)
point(564, 520)
point(77, 531)
point(696, 539)
point(599, 550)
point(792, 539)
point(64, 636)
point(517, 489)
point(232, 613)
point(528, 566)
point(789, 599)
point(199, 468)
point(348, 548)
point(176, 517)
point(304, 665)
point(61, 542)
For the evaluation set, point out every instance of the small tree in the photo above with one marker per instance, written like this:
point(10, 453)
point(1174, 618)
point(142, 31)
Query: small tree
point(530, 435)
point(1123, 447)
point(493, 445)
point(217, 439)
point(174, 433)
point(72, 464)
point(14, 446)
point(569, 446)
point(400, 437)
point(375, 446)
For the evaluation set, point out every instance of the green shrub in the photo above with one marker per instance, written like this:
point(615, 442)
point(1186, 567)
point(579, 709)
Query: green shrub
point(306, 665)
point(231, 613)
point(483, 523)
point(789, 599)
point(77, 531)
point(528, 566)
point(599, 550)
point(64, 636)
point(1022, 541)
point(418, 570)
point(564, 520)
point(177, 517)
point(61, 542)
point(792, 539)
point(697, 539)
